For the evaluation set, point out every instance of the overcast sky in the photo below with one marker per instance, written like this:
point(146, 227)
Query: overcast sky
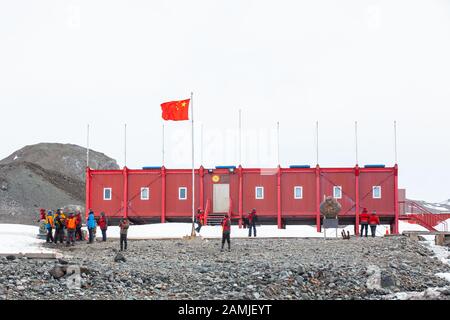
point(64, 64)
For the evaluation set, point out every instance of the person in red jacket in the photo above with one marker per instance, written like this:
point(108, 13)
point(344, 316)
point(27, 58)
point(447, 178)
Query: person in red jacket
point(199, 219)
point(252, 219)
point(103, 224)
point(226, 230)
point(373, 222)
point(364, 221)
point(79, 222)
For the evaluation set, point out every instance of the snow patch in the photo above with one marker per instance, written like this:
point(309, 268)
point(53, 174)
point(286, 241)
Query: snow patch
point(16, 239)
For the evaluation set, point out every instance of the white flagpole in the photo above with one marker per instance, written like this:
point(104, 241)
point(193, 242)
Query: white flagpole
point(240, 137)
point(163, 151)
point(201, 144)
point(356, 141)
point(317, 142)
point(395, 141)
point(87, 147)
point(193, 169)
point(125, 146)
point(278, 142)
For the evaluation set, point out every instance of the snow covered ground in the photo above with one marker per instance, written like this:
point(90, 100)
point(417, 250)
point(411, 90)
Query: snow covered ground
point(16, 238)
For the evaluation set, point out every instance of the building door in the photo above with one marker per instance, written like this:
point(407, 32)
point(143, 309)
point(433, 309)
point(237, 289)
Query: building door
point(221, 197)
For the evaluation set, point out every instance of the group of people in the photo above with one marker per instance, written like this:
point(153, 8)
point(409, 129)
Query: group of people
point(367, 220)
point(65, 225)
point(69, 227)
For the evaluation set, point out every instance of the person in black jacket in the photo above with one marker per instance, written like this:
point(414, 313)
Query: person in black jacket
point(59, 228)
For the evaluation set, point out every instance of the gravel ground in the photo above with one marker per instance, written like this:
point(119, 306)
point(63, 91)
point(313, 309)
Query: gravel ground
point(254, 269)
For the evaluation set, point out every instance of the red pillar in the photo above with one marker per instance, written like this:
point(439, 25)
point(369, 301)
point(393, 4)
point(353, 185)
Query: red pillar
point(357, 200)
point(202, 188)
point(241, 190)
point(163, 194)
point(88, 191)
point(125, 192)
point(279, 196)
point(319, 229)
point(396, 204)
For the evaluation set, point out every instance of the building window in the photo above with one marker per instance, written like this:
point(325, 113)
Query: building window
point(182, 193)
point(337, 192)
point(259, 193)
point(145, 193)
point(107, 194)
point(298, 192)
point(376, 192)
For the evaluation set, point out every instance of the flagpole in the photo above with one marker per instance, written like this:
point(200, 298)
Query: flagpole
point(278, 142)
point(317, 142)
point(356, 141)
point(163, 151)
point(240, 137)
point(193, 169)
point(395, 142)
point(201, 144)
point(87, 147)
point(125, 146)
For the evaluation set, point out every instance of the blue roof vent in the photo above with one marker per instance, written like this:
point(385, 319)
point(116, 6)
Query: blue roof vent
point(375, 166)
point(225, 167)
point(296, 166)
point(151, 168)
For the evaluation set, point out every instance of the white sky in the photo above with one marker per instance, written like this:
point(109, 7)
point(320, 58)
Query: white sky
point(66, 63)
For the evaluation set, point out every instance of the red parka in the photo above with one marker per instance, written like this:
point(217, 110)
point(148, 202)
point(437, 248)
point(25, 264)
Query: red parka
point(373, 219)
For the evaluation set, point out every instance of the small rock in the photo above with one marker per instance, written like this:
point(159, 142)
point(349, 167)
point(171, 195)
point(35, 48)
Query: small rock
point(119, 258)
point(10, 257)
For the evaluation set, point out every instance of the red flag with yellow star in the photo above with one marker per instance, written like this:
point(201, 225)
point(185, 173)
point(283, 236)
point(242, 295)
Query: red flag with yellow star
point(176, 110)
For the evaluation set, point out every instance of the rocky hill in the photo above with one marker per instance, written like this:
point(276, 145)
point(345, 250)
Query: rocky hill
point(47, 175)
point(67, 159)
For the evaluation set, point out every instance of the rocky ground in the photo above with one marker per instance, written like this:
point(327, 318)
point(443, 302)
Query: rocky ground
point(254, 269)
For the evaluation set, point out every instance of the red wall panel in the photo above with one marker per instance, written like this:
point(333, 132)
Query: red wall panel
point(266, 206)
point(174, 206)
point(367, 180)
point(144, 208)
point(290, 205)
point(114, 207)
point(347, 181)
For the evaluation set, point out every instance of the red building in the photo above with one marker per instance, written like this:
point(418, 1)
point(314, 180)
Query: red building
point(280, 195)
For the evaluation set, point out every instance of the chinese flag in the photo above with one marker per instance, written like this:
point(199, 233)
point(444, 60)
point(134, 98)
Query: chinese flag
point(176, 110)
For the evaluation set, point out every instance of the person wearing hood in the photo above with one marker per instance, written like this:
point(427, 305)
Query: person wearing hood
point(59, 228)
point(71, 225)
point(364, 221)
point(91, 225)
point(79, 222)
point(103, 224)
point(49, 224)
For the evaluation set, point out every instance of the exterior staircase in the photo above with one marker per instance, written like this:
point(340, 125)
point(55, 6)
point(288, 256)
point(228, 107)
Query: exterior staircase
point(216, 218)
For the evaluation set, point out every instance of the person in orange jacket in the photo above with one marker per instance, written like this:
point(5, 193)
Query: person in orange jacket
point(49, 224)
point(199, 219)
point(364, 221)
point(373, 222)
point(71, 225)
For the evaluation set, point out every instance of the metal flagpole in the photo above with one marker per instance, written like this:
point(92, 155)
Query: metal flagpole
point(193, 170)
point(163, 151)
point(87, 147)
point(125, 146)
point(317, 142)
point(278, 142)
point(356, 141)
point(240, 137)
point(395, 141)
point(201, 144)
